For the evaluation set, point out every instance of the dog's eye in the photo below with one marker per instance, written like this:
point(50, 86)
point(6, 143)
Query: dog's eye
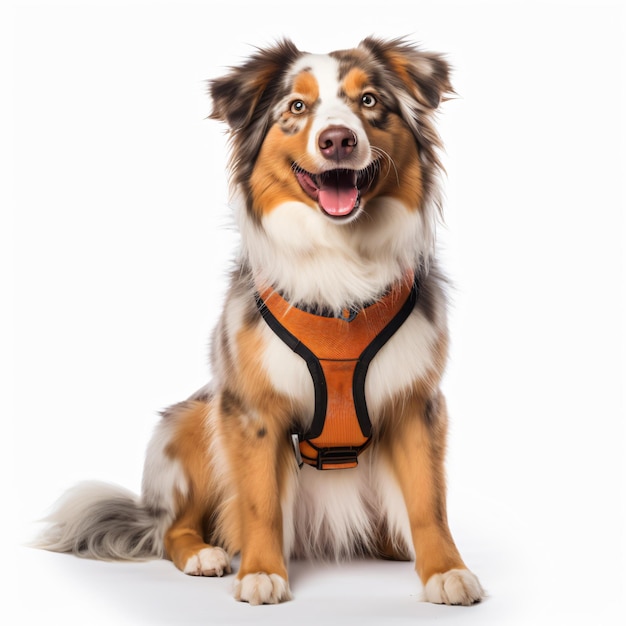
point(368, 100)
point(297, 107)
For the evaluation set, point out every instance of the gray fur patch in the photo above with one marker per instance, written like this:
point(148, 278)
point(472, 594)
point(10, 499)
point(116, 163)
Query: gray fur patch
point(100, 521)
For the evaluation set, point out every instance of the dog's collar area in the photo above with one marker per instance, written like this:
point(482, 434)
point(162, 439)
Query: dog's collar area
point(346, 314)
point(338, 351)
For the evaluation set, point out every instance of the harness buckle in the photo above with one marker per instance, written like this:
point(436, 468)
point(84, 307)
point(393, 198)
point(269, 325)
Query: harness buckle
point(295, 442)
point(337, 458)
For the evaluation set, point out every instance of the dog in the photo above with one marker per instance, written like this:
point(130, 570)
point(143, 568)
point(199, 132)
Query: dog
point(322, 434)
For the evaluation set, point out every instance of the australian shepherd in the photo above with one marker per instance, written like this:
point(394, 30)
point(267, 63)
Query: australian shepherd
point(323, 431)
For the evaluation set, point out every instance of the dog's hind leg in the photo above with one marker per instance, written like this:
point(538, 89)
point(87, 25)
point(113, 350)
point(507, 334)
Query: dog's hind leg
point(186, 547)
point(187, 448)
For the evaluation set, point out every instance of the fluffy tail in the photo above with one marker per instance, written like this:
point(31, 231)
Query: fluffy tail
point(100, 521)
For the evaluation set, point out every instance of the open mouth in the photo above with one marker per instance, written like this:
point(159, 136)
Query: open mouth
point(337, 192)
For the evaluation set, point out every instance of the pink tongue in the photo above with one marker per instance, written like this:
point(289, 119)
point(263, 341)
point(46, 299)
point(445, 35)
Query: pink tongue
point(336, 197)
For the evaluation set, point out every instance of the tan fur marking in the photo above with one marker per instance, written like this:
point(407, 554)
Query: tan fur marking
point(305, 85)
point(273, 181)
point(428, 385)
point(251, 379)
point(355, 82)
point(191, 440)
point(400, 174)
point(399, 64)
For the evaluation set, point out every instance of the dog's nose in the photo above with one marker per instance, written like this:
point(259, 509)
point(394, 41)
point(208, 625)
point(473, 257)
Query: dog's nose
point(336, 142)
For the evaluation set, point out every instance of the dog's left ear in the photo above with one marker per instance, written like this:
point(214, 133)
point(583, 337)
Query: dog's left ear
point(425, 75)
point(418, 81)
point(244, 94)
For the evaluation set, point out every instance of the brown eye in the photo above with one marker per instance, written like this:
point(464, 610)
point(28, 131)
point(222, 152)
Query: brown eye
point(297, 107)
point(368, 100)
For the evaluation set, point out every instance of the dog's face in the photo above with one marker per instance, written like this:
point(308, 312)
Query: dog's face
point(332, 132)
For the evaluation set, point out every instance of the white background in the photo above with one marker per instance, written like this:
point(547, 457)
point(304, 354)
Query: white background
point(116, 236)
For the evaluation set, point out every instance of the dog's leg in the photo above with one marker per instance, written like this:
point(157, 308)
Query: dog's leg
point(258, 460)
point(262, 576)
point(185, 546)
point(416, 452)
point(184, 446)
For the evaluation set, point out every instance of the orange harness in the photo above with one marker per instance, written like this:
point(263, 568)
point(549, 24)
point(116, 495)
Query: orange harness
point(338, 351)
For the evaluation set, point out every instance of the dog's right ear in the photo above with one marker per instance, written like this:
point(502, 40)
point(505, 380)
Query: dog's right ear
point(244, 95)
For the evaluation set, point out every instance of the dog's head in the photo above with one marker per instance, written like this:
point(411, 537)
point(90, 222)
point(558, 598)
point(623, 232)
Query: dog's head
point(333, 131)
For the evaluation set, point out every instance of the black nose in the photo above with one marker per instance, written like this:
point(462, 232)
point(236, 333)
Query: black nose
point(336, 142)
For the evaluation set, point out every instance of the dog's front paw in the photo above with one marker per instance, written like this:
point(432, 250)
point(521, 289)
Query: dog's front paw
point(209, 561)
point(456, 586)
point(262, 589)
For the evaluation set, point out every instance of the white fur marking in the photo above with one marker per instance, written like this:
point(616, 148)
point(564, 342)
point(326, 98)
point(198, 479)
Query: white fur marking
point(210, 561)
point(333, 511)
point(288, 372)
point(262, 588)
point(392, 503)
point(405, 358)
point(456, 586)
point(304, 255)
point(163, 477)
